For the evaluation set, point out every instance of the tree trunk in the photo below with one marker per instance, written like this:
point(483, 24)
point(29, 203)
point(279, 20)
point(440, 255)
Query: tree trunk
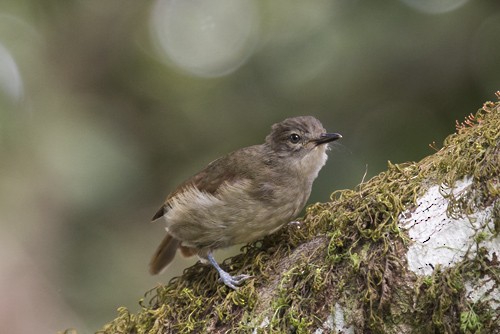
point(413, 250)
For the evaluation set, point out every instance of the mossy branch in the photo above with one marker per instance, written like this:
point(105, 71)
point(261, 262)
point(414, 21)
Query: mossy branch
point(345, 266)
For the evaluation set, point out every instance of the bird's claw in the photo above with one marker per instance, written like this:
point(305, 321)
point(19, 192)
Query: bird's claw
point(233, 281)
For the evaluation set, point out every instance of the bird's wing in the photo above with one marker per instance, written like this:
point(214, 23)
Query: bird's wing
point(222, 170)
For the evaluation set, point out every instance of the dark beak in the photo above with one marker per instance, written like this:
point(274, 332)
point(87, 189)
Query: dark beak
point(327, 137)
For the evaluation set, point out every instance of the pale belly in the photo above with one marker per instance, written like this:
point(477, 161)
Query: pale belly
point(202, 220)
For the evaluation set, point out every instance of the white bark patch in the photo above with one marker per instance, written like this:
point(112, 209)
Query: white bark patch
point(484, 290)
point(263, 324)
point(335, 323)
point(327, 325)
point(442, 240)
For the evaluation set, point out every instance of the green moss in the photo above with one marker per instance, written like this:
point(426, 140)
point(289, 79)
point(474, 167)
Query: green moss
point(350, 251)
point(470, 322)
point(297, 293)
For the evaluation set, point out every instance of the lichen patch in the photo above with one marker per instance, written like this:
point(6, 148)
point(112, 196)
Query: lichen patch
point(437, 238)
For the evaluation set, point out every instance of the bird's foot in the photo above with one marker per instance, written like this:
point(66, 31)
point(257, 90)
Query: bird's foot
point(295, 223)
point(233, 281)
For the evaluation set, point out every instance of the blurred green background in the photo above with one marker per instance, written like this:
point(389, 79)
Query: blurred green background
point(105, 106)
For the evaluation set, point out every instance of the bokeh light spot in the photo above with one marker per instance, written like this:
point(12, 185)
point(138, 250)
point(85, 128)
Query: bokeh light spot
point(207, 38)
point(435, 6)
point(11, 84)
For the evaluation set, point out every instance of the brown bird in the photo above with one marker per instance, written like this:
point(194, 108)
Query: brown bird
point(245, 195)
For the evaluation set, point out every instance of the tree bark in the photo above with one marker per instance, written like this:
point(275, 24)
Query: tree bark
point(413, 250)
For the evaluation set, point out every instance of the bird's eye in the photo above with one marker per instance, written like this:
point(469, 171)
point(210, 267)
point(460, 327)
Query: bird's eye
point(294, 138)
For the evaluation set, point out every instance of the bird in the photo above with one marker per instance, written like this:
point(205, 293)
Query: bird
point(243, 196)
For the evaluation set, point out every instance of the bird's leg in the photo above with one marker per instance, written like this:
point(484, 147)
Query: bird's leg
point(231, 281)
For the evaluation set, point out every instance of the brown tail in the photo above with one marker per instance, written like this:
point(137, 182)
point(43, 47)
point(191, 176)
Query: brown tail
point(164, 254)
